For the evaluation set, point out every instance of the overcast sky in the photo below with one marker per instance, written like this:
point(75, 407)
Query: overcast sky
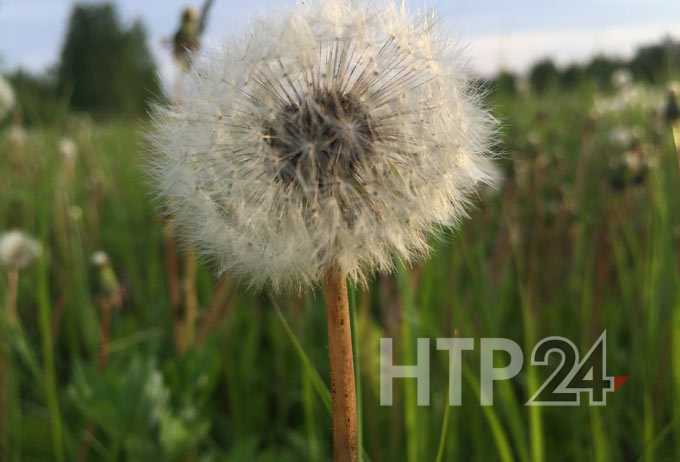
point(499, 33)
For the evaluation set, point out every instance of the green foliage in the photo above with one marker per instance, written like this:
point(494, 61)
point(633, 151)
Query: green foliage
point(600, 70)
point(572, 76)
point(543, 75)
point(106, 68)
point(37, 100)
point(559, 250)
point(505, 83)
point(652, 64)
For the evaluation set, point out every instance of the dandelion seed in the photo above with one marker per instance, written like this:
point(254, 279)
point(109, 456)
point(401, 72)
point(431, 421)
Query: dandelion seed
point(18, 250)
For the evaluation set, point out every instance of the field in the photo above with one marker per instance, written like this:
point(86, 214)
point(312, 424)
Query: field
point(148, 353)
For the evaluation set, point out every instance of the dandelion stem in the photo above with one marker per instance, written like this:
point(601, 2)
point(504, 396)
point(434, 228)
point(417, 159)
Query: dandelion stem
point(676, 139)
point(343, 391)
point(12, 289)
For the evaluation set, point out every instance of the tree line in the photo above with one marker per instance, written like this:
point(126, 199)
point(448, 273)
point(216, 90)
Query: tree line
point(652, 64)
point(105, 68)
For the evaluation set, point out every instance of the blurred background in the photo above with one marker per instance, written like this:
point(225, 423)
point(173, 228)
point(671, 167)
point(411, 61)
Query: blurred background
point(117, 344)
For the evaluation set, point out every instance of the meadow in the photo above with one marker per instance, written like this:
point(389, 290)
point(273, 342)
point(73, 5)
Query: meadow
point(146, 352)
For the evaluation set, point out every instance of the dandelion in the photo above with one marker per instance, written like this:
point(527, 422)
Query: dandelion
point(75, 213)
point(68, 149)
point(17, 136)
point(107, 277)
point(624, 136)
point(7, 99)
point(631, 97)
point(17, 252)
point(110, 300)
point(622, 79)
point(330, 143)
point(69, 154)
point(100, 259)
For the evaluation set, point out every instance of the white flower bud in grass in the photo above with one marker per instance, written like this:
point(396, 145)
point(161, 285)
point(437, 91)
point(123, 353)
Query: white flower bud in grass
point(622, 79)
point(75, 213)
point(18, 250)
point(336, 134)
point(68, 150)
point(100, 259)
point(7, 100)
point(17, 136)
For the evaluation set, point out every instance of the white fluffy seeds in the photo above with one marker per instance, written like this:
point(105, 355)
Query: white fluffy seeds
point(18, 250)
point(7, 100)
point(100, 259)
point(335, 135)
point(68, 150)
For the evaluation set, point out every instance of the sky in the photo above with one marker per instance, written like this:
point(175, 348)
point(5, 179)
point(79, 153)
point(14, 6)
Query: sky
point(498, 34)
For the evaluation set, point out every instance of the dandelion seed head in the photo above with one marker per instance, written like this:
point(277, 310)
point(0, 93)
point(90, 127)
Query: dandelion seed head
point(75, 213)
point(18, 250)
point(17, 136)
point(674, 88)
point(7, 99)
point(100, 259)
point(68, 150)
point(622, 79)
point(336, 134)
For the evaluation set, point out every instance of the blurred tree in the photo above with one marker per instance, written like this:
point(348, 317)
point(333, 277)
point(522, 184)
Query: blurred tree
point(656, 63)
point(571, 76)
point(600, 70)
point(37, 100)
point(505, 83)
point(543, 75)
point(106, 68)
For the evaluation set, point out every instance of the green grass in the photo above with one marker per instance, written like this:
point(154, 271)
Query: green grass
point(556, 251)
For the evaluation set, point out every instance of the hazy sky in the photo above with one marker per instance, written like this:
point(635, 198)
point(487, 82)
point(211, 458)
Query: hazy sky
point(498, 33)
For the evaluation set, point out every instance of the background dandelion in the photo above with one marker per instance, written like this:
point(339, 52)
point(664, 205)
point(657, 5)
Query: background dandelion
point(7, 100)
point(18, 250)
